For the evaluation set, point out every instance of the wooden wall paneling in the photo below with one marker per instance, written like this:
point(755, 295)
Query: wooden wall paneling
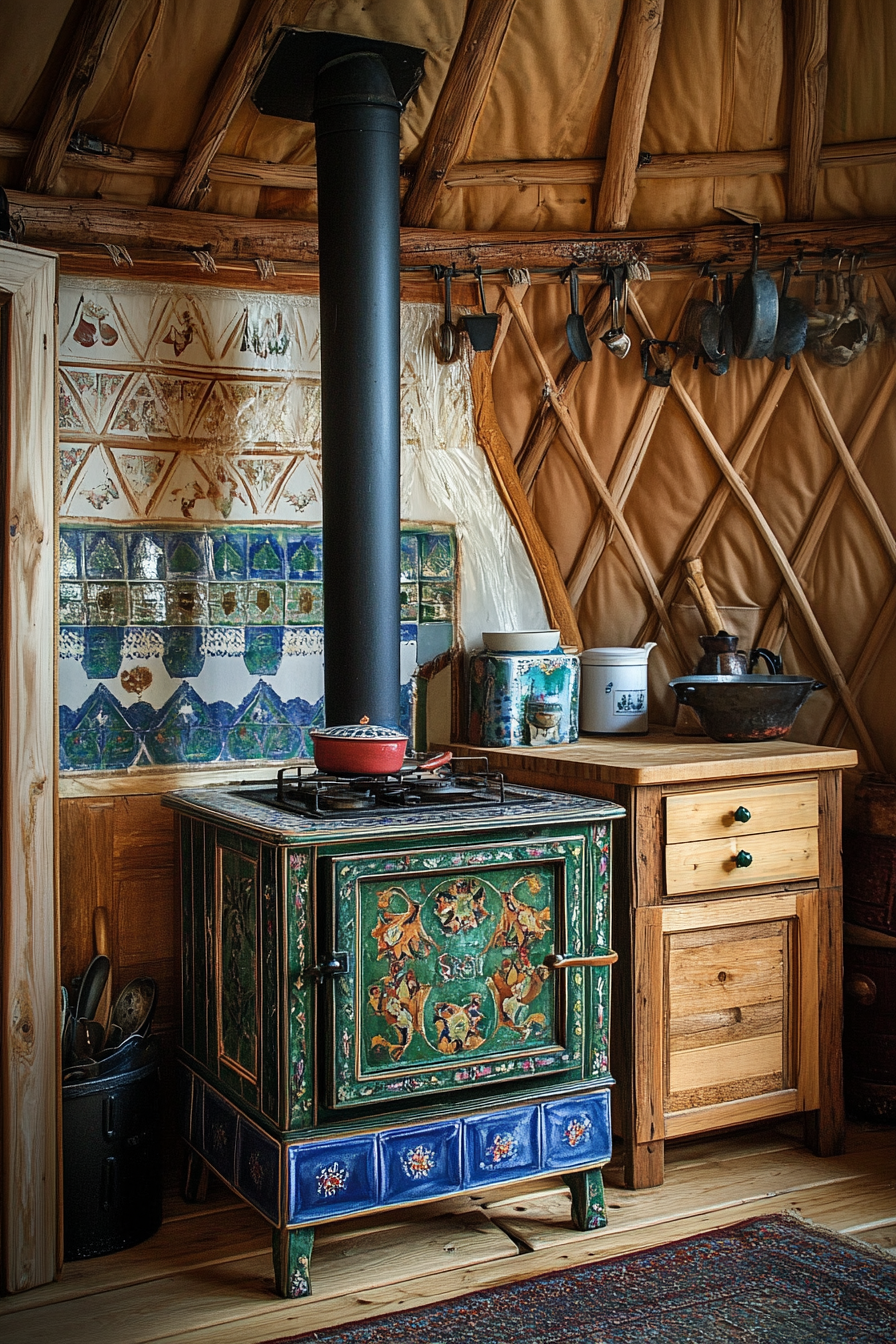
point(86, 840)
point(29, 1009)
point(147, 920)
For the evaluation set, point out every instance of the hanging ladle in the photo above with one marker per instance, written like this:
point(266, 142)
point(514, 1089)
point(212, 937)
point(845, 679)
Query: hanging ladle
point(576, 332)
point(616, 340)
point(482, 328)
point(447, 343)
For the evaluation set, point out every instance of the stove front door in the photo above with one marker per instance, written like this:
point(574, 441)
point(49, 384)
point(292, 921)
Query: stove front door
point(448, 985)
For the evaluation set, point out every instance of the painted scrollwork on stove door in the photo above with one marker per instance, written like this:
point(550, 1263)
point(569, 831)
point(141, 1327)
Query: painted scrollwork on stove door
point(450, 985)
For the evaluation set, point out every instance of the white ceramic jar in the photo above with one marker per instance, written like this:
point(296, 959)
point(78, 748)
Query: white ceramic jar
point(614, 690)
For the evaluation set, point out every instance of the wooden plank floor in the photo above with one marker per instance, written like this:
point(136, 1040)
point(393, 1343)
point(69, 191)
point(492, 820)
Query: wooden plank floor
point(206, 1277)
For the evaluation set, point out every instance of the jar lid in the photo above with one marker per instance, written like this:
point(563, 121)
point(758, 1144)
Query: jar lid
point(615, 656)
point(369, 732)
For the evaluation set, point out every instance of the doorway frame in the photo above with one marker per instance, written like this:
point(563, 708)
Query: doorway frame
point(30, 1222)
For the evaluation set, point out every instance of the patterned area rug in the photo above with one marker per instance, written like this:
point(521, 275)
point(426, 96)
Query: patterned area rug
point(774, 1280)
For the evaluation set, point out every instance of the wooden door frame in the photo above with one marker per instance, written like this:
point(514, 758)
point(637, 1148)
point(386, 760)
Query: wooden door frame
point(30, 1226)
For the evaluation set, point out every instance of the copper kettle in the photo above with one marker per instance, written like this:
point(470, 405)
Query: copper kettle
point(721, 657)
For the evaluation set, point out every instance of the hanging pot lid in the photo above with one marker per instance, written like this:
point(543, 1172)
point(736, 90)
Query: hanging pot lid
point(363, 731)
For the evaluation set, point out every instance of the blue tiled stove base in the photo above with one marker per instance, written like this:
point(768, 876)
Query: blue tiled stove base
point(299, 1183)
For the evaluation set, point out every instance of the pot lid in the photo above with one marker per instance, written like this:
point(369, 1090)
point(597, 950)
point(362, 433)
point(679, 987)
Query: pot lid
point(364, 731)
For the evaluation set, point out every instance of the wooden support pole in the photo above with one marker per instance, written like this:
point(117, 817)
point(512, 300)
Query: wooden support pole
point(641, 29)
point(810, 85)
point(458, 105)
point(61, 115)
point(234, 80)
point(491, 440)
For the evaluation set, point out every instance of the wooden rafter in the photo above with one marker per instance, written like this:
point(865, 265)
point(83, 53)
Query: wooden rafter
point(231, 86)
point(809, 93)
point(535, 172)
point(70, 224)
point(458, 105)
point(61, 114)
point(641, 27)
point(872, 648)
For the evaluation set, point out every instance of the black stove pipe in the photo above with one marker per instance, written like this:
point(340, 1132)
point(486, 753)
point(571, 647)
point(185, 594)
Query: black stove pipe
point(356, 117)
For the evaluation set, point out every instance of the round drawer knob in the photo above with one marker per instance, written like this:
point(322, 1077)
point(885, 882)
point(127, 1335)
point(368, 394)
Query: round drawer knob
point(743, 814)
point(742, 859)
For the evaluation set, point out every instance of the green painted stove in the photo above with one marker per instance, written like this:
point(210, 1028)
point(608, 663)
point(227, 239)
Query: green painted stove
point(393, 1006)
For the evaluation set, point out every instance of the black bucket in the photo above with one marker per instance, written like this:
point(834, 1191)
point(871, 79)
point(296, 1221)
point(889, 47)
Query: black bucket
point(111, 1155)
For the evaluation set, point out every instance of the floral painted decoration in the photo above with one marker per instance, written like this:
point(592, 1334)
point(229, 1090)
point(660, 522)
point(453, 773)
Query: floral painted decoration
point(332, 1179)
point(418, 1162)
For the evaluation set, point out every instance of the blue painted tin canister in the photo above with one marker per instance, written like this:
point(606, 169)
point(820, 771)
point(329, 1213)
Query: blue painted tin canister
point(523, 700)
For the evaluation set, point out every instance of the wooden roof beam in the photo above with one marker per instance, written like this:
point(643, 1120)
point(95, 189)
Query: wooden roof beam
point(810, 87)
point(59, 221)
point(78, 69)
point(458, 105)
point(641, 27)
point(232, 85)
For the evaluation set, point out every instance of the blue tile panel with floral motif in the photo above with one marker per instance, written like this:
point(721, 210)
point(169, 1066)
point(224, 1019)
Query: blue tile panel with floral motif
point(330, 1177)
point(205, 645)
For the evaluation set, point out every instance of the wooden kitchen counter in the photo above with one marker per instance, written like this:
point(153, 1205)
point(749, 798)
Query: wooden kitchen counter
point(727, 917)
point(660, 757)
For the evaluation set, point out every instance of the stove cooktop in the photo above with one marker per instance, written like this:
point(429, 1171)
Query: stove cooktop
point(467, 783)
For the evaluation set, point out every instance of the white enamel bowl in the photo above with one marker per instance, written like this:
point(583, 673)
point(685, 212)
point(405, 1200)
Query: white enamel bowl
point(521, 641)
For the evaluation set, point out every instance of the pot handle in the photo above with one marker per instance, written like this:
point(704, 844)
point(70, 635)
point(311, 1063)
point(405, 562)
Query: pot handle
point(683, 692)
point(435, 761)
point(819, 685)
point(773, 661)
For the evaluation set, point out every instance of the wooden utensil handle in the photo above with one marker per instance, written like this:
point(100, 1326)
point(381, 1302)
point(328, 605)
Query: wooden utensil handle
point(102, 944)
point(696, 581)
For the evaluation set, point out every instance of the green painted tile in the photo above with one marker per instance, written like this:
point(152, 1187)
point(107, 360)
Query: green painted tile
point(72, 610)
point(264, 603)
point(304, 603)
point(187, 603)
point(227, 603)
point(436, 555)
point(436, 601)
point(409, 601)
point(149, 604)
point(107, 604)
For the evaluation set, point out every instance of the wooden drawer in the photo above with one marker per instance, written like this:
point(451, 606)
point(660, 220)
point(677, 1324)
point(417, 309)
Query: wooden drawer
point(709, 865)
point(786, 806)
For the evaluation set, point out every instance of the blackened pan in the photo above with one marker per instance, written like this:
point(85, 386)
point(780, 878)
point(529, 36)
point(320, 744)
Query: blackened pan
point(793, 322)
point(576, 333)
point(754, 312)
point(482, 328)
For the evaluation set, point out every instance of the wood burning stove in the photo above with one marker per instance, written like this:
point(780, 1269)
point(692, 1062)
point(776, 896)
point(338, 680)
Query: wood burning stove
point(387, 1005)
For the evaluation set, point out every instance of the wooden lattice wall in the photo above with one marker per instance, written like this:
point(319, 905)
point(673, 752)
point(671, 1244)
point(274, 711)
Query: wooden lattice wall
point(782, 480)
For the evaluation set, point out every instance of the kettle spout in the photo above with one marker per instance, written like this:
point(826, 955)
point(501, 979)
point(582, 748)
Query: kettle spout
point(647, 647)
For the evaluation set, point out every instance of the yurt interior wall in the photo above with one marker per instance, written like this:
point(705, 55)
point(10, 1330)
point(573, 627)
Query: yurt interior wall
point(586, 131)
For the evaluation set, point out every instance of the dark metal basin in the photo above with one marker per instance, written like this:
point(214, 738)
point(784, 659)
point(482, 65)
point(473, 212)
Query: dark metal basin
point(745, 709)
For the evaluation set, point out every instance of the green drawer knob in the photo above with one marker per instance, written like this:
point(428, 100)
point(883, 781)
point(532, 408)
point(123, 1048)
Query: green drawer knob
point(742, 859)
point(742, 814)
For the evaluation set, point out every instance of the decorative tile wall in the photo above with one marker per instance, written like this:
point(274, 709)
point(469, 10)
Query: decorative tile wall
point(205, 645)
point(190, 557)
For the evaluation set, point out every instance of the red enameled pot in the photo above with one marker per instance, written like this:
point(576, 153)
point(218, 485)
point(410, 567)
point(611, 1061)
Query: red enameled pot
point(365, 749)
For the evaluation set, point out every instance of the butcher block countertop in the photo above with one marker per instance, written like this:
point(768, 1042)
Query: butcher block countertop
point(660, 757)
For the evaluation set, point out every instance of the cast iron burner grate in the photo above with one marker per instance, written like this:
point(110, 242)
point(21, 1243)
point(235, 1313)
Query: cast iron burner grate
point(464, 783)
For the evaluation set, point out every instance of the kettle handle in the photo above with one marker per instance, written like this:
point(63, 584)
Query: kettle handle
point(773, 661)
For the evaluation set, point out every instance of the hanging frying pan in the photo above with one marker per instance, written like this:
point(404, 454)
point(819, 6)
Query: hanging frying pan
point(793, 322)
point(576, 334)
point(482, 328)
point(754, 312)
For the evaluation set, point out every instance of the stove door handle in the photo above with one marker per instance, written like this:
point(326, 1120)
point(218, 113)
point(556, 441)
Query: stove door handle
point(555, 962)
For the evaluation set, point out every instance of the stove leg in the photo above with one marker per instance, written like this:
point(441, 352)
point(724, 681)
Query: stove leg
point(589, 1208)
point(194, 1179)
point(292, 1261)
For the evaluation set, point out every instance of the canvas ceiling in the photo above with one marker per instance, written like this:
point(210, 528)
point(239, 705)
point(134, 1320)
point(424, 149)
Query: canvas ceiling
point(719, 84)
